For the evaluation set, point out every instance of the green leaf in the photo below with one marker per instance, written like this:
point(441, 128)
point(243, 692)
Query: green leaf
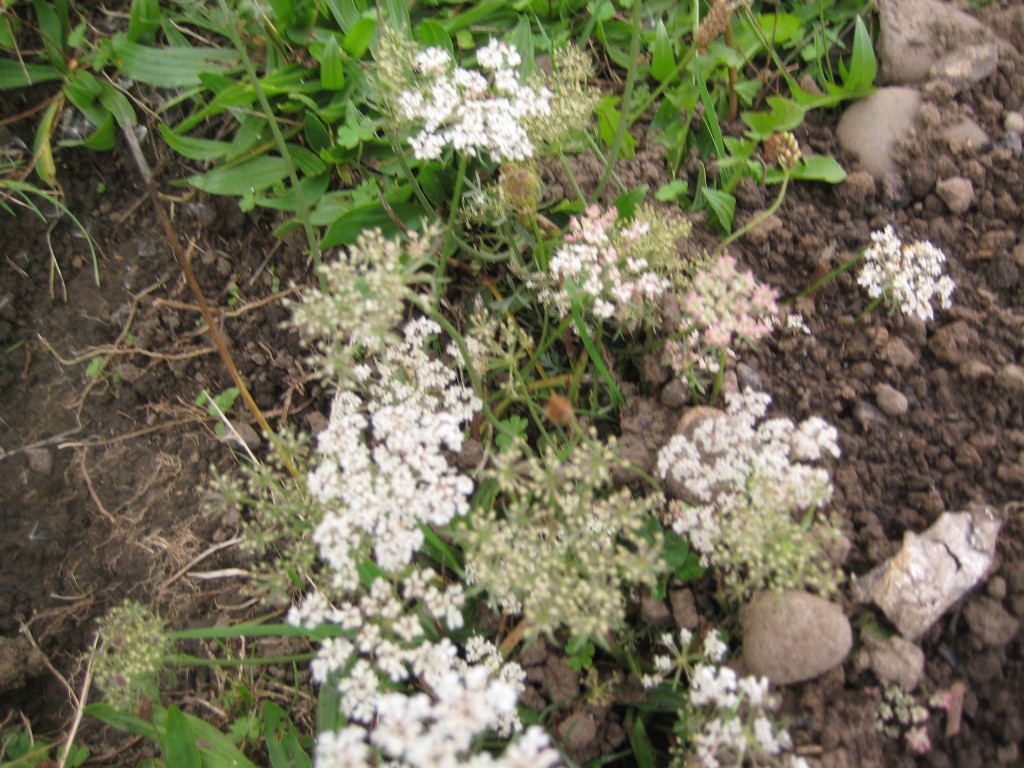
point(179, 745)
point(282, 739)
point(663, 63)
point(722, 204)
point(432, 34)
point(347, 227)
point(357, 39)
point(860, 77)
point(169, 67)
point(306, 161)
point(200, 150)
point(14, 74)
point(248, 177)
point(118, 105)
point(812, 168)
point(318, 137)
point(53, 29)
point(674, 190)
point(124, 721)
point(522, 39)
point(332, 67)
point(640, 742)
point(627, 203)
point(785, 115)
point(608, 126)
point(100, 140)
point(143, 20)
point(42, 149)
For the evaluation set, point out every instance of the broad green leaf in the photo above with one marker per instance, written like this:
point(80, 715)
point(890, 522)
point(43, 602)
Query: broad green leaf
point(100, 140)
point(282, 739)
point(860, 77)
point(627, 203)
point(779, 28)
point(663, 62)
point(522, 39)
point(433, 35)
point(317, 136)
point(200, 150)
point(117, 104)
point(332, 66)
point(313, 188)
point(305, 160)
point(641, 744)
point(811, 168)
point(608, 124)
point(674, 190)
point(249, 177)
point(179, 744)
point(282, 9)
point(785, 115)
point(344, 12)
point(14, 74)
point(143, 20)
point(53, 29)
point(358, 37)
point(722, 204)
point(347, 228)
point(396, 15)
point(169, 67)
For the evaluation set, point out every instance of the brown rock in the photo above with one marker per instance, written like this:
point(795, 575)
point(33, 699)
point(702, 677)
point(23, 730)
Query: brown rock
point(953, 343)
point(654, 613)
point(684, 609)
point(890, 400)
point(1011, 378)
point(895, 660)
point(957, 193)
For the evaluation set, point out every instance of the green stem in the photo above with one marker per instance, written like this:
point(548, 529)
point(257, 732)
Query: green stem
point(757, 220)
point(572, 180)
point(411, 177)
point(449, 233)
point(717, 387)
point(183, 660)
point(627, 95)
point(604, 161)
point(819, 284)
point(282, 147)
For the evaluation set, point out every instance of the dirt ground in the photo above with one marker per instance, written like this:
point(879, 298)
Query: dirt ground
point(101, 478)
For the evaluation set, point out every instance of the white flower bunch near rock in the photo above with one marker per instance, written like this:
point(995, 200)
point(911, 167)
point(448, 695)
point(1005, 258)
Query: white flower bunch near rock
point(472, 111)
point(911, 276)
point(383, 471)
point(743, 480)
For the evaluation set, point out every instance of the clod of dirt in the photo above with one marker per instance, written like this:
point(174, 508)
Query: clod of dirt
point(793, 636)
point(965, 136)
point(871, 128)
point(952, 343)
point(932, 570)
point(894, 660)
point(957, 193)
point(990, 622)
point(18, 662)
point(654, 613)
point(40, 460)
point(1011, 378)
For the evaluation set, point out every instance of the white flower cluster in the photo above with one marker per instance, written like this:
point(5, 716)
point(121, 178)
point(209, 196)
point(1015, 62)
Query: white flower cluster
point(383, 472)
point(594, 267)
point(910, 275)
point(742, 481)
point(730, 717)
point(469, 111)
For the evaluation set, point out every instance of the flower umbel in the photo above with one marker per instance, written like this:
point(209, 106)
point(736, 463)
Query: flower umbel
point(910, 276)
point(471, 111)
point(129, 655)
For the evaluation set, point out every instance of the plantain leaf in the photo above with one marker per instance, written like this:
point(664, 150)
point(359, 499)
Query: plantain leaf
point(244, 179)
point(169, 67)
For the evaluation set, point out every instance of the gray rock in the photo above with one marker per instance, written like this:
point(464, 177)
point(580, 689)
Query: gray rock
point(870, 128)
point(957, 193)
point(1013, 122)
point(990, 622)
point(932, 570)
point(684, 609)
point(890, 400)
point(968, 65)
point(40, 460)
point(895, 660)
point(654, 613)
point(793, 636)
point(915, 34)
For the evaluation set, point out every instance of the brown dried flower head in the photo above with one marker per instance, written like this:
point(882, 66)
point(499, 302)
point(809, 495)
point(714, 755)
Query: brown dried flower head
point(714, 24)
point(782, 149)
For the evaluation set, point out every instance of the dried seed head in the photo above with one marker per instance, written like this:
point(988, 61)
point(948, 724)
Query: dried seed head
point(714, 24)
point(782, 149)
point(520, 188)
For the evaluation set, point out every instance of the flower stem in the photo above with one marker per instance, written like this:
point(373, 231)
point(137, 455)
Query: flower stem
point(757, 220)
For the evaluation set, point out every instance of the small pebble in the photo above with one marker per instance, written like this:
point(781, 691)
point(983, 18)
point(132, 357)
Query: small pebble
point(40, 460)
point(1011, 378)
point(1014, 122)
point(890, 400)
point(996, 587)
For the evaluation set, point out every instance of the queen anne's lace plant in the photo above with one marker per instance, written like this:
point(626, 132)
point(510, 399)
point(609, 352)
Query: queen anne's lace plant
point(728, 719)
point(613, 270)
point(750, 494)
point(557, 546)
point(383, 473)
point(725, 307)
point(909, 276)
point(469, 111)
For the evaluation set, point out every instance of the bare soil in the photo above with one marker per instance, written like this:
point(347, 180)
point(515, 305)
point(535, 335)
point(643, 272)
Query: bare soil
point(101, 479)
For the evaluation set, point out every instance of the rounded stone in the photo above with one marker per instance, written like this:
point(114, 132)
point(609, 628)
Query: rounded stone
point(793, 636)
point(1011, 378)
point(890, 400)
point(895, 660)
point(1014, 122)
point(957, 193)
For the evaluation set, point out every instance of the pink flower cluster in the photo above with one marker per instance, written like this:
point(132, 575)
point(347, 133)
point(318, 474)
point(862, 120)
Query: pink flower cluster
point(726, 304)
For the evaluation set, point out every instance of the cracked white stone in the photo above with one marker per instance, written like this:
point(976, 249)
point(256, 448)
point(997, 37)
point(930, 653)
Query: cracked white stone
point(933, 570)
